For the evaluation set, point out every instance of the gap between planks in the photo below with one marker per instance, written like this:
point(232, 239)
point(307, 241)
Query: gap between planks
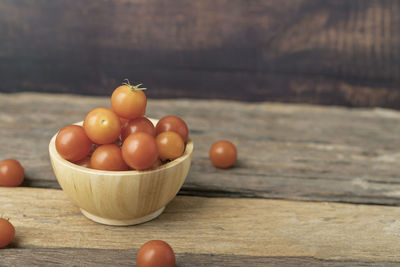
point(45, 218)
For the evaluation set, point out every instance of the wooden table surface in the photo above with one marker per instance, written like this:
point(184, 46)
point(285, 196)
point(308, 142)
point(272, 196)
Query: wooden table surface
point(313, 186)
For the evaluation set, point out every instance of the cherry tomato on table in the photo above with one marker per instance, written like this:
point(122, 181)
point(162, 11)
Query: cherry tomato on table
point(11, 173)
point(102, 125)
point(139, 151)
point(129, 101)
point(108, 158)
point(155, 253)
point(174, 124)
point(223, 154)
point(140, 124)
point(170, 145)
point(7, 232)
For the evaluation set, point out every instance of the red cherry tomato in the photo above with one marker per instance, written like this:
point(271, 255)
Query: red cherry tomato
point(170, 145)
point(139, 151)
point(223, 154)
point(72, 143)
point(129, 101)
point(174, 124)
point(7, 232)
point(108, 158)
point(140, 124)
point(155, 253)
point(11, 173)
point(102, 126)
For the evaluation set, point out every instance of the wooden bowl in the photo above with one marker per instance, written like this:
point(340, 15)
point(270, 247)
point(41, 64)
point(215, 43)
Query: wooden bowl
point(123, 197)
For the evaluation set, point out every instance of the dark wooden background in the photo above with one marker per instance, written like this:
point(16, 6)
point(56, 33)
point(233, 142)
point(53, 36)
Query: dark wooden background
point(337, 52)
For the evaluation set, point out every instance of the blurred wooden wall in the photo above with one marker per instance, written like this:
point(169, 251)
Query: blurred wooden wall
point(344, 52)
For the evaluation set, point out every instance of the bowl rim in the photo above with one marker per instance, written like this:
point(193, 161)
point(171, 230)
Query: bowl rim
point(53, 153)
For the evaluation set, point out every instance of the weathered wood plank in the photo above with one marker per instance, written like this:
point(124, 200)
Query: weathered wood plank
point(45, 218)
point(330, 52)
point(126, 257)
point(285, 151)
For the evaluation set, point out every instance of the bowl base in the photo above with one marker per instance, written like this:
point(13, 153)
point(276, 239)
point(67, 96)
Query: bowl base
point(128, 222)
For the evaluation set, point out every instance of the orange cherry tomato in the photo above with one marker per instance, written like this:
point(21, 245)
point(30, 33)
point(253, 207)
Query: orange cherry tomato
point(174, 124)
point(108, 158)
point(7, 232)
point(72, 143)
point(102, 126)
point(155, 253)
point(170, 145)
point(11, 173)
point(140, 124)
point(223, 154)
point(129, 101)
point(139, 151)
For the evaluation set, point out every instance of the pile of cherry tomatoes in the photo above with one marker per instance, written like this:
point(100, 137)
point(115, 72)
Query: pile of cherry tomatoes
point(122, 138)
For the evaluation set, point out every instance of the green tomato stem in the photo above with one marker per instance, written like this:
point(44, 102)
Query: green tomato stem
point(133, 87)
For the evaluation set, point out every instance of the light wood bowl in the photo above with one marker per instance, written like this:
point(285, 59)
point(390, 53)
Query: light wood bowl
point(124, 197)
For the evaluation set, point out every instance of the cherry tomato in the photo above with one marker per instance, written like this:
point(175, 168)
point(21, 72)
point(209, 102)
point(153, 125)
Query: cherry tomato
point(108, 158)
point(155, 253)
point(72, 143)
point(174, 124)
point(129, 101)
point(223, 154)
point(11, 173)
point(7, 232)
point(102, 126)
point(139, 151)
point(140, 124)
point(170, 145)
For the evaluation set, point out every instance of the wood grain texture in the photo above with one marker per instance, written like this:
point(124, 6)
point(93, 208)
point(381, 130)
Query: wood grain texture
point(45, 218)
point(330, 52)
point(285, 151)
point(126, 257)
